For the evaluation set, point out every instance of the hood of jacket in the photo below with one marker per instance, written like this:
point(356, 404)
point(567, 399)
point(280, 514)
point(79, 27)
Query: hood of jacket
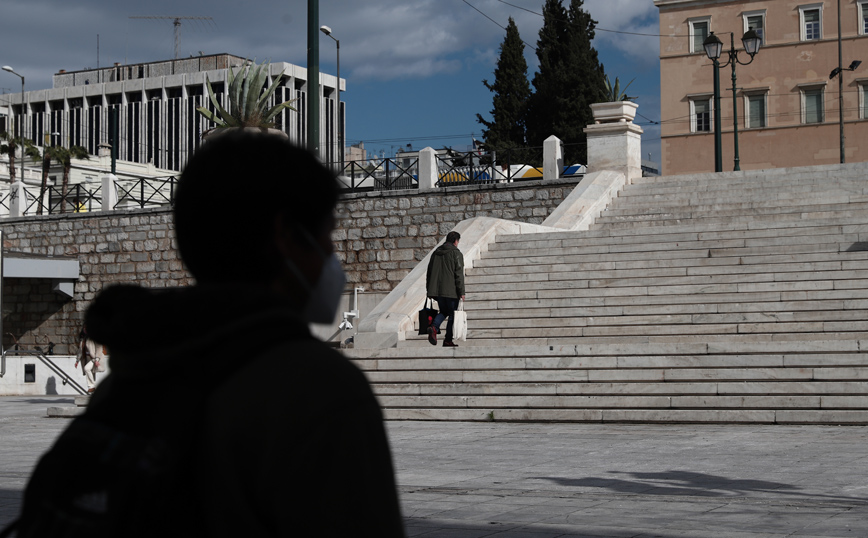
point(445, 249)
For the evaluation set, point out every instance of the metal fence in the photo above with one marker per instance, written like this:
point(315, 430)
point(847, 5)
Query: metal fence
point(139, 193)
point(145, 192)
point(379, 174)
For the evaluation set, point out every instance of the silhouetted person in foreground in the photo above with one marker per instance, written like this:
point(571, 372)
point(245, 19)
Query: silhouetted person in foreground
point(289, 439)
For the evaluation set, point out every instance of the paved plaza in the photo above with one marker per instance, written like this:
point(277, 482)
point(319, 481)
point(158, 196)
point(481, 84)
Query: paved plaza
point(580, 480)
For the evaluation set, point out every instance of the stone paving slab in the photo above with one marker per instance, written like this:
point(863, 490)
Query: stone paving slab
point(509, 480)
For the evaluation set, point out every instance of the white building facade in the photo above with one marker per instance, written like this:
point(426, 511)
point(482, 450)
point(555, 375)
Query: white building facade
point(156, 103)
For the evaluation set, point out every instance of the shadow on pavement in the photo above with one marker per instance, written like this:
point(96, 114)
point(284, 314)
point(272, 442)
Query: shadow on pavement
point(688, 483)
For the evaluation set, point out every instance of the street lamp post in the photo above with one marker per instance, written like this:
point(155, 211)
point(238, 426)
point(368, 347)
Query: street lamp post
point(21, 123)
point(713, 48)
point(328, 31)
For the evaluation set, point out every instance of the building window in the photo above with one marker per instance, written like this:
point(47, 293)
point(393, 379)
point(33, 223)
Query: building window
point(811, 20)
point(756, 21)
point(699, 29)
point(812, 105)
point(700, 114)
point(863, 100)
point(863, 18)
point(755, 110)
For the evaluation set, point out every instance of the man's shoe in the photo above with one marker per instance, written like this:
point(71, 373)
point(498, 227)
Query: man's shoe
point(449, 343)
point(432, 336)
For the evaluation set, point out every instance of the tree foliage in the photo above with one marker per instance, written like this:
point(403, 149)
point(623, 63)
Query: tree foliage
point(507, 128)
point(64, 156)
point(9, 144)
point(569, 80)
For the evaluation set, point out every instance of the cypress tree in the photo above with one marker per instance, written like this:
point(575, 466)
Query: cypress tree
point(570, 78)
point(507, 129)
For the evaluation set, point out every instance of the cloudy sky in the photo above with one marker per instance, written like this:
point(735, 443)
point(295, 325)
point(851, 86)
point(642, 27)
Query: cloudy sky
point(414, 68)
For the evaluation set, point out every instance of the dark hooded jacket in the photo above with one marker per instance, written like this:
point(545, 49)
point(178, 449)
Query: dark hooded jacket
point(446, 272)
point(289, 439)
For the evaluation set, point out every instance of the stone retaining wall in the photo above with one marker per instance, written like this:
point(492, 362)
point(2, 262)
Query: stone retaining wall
point(380, 237)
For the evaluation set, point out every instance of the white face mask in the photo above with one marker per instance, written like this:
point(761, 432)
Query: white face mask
point(324, 298)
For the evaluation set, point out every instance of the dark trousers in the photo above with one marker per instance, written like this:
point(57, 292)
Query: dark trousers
point(447, 306)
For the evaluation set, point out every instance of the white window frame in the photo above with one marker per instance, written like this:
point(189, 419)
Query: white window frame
point(692, 33)
point(760, 13)
point(802, 10)
point(863, 13)
point(862, 84)
point(757, 92)
point(701, 97)
point(803, 88)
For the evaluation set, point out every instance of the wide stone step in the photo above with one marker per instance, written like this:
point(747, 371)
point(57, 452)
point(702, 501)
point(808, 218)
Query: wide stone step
point(432, 386)
point(714, 222)
point(781, 310)
point(837, 193)
point(668, 282)
point(840, 241)
point(482, 281)
point(692, 208)
point(480, 340)
point(775, 178)
point(834, 251)
point(557, 274)
point(595, 238)
point(685, 212)
point(725, 416)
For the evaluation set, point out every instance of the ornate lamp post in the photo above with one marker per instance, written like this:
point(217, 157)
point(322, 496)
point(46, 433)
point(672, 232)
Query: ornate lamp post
point(713, 48)
point(21, 128)
point(328, 31)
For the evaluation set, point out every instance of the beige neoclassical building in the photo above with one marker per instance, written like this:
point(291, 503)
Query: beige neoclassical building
point(787, 104)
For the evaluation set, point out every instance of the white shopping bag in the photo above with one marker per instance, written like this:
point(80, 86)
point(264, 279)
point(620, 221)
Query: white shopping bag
point(459, 329)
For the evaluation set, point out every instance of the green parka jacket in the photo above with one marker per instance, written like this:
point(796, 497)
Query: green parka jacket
point(446, 272)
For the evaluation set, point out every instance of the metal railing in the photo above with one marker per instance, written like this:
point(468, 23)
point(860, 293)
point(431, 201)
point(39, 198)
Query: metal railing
point(141, 193)
point(378, 175)
point(146, 192)
point(38, 353)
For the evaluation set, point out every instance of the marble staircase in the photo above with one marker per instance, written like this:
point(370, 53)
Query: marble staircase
point(735, 297)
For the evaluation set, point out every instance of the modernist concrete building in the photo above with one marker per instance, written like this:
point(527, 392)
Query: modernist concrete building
point(158, 122)
point(787, 105)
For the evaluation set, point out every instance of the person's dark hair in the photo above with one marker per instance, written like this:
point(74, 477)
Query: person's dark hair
point(229, 195)
point(452, 237)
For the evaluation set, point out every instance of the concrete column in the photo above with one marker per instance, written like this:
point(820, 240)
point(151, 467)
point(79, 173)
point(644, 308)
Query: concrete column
point(109, 192)
point(427, 169)
point(615, 145)
point(553, 158)
point(17, 201)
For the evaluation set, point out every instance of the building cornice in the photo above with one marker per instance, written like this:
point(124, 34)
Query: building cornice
point(662, 4)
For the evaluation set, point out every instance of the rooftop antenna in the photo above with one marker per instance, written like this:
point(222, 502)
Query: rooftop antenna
point(176, 21)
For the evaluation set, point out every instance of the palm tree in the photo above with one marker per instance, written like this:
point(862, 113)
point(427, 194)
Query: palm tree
point(46, 164)
point(9, 145)
point(64, 157)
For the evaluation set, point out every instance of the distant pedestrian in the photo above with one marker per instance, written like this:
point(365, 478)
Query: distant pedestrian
point(92, 357)
point(445, 283)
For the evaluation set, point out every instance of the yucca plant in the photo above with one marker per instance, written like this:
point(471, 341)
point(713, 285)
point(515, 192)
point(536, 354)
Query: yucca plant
point(615, 93)
point(248, 104)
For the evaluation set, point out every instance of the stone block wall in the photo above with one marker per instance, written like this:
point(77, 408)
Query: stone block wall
point(116, 247)
point(380, 237)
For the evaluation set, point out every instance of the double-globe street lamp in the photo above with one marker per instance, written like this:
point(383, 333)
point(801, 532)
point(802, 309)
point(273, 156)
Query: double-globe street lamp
point(713, 48)
point(21, 124)
point(328, 31)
